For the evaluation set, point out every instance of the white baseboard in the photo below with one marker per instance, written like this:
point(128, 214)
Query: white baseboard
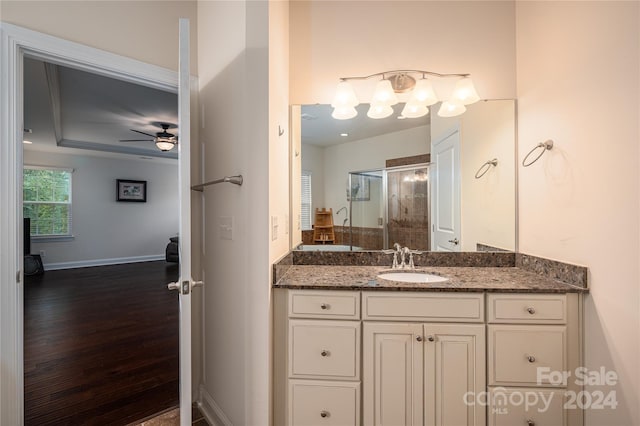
point(102, 262)
point(211, 411)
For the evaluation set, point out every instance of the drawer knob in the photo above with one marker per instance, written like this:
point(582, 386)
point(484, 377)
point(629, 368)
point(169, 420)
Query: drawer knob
point(531, 358)
point(325, 353)
point(431, 339)
point(324, 306)
point(324, 414)
point(531, 310)
point(419, 338)
point(531, 422)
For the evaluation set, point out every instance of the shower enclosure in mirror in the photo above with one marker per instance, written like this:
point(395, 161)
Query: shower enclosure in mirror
point(407, 181)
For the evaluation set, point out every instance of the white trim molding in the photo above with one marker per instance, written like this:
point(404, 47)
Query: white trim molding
point(15, 44)
point(212, 411)
point(102, 262)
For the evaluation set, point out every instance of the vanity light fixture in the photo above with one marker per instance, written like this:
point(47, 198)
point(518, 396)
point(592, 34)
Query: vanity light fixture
point(421, 95)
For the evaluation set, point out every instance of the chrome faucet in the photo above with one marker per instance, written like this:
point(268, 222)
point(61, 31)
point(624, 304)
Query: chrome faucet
point(400, 260)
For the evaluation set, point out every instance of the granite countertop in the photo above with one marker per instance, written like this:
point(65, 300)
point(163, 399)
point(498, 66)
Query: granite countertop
point(473, 279)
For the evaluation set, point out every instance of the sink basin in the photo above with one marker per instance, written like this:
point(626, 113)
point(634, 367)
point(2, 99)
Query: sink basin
point(412, 277)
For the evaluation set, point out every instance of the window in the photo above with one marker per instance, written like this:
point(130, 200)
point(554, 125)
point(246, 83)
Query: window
point(47, 200)
point(305, 210)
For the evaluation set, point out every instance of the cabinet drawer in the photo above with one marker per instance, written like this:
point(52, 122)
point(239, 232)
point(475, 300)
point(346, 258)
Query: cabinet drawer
point(517, 351)
point(434, 307)
point(526, 308)
point(324, 349)
point(313, 403)
point(506, 409)
point(324, 304)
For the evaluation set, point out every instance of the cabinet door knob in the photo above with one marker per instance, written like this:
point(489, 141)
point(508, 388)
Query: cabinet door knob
point(324, 306)
point(531, 358)
point(324, 414)
point(325, 352)
point(531, 310)
point(531, 422)
point(419, 338)
point(431, 339)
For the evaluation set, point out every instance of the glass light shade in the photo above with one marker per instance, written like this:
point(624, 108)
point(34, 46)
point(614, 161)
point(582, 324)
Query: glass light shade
point(451, 108)
point(344, 112)
point(465, 92)
point(165, 144)
point(414, 110)
point(345, 96)
point(379, 111)
point(384, 94)
point(423, 92)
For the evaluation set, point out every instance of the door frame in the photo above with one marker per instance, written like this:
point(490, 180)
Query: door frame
point(16, 43)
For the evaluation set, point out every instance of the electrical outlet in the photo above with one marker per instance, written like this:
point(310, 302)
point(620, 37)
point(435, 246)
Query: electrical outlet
point(225, 227)
point(286, 224)
point(43, 253)
point(274, 228)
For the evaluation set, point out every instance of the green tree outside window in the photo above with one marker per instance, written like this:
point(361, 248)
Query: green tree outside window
point(47, 201)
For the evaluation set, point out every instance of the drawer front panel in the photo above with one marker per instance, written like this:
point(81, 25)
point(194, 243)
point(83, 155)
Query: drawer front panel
point(527, 406)
point(516, 353)
point(313, 403)
point(324, 304)
point(324, 349)
point(434, 307)
point(531, 309)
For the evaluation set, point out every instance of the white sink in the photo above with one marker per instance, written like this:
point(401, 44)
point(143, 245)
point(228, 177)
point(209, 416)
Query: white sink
point(412, 277)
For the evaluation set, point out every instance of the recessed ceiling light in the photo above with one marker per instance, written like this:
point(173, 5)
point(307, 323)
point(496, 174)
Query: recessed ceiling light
point(344, 134)
point(27, 142)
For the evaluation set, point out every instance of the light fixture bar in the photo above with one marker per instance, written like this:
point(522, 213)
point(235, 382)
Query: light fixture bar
point(435, 74)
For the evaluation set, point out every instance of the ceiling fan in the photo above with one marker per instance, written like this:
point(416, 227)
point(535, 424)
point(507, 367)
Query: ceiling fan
point(164, 140)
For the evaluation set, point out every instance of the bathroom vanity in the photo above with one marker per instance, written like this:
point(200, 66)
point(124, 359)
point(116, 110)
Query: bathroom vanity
point(351, 348)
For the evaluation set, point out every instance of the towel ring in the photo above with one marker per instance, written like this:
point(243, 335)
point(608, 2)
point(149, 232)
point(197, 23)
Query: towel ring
point(546, 146)
point(486, 167)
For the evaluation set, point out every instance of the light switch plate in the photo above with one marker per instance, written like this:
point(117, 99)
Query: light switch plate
point(274, 228)
point(225, 227)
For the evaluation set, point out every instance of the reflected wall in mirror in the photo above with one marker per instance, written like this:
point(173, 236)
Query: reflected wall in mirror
point(406, 181)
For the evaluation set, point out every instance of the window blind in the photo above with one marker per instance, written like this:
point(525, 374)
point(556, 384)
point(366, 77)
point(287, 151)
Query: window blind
point(305, 210)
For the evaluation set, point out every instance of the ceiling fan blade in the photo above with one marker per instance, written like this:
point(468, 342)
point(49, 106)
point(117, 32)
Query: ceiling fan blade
point(136, 140)
point(138, 131)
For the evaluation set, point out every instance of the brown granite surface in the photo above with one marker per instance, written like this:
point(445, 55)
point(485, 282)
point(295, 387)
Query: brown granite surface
point(378, 258)
point(572, 274)
point(475, 279)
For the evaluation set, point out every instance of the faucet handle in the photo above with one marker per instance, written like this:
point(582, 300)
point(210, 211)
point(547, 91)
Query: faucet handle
point(397, 246)
point(388, 251)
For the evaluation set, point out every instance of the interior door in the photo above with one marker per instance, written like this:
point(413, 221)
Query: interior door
point(445, 181)
point(185, 284)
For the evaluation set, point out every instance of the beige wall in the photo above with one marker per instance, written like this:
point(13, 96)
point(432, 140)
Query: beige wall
point(332, 39)
point(578, 84)
point(234, 90)
point(143, 30)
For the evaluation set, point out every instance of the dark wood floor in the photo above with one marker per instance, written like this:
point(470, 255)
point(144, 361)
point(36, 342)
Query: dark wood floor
point(100, 344)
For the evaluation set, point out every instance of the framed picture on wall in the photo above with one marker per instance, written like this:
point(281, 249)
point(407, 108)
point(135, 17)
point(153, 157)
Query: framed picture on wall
point(359, 188)
point(131, 190)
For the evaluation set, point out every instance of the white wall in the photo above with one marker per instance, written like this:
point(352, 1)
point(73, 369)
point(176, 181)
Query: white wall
point(332, 39)
point(104, 228)
point(578, 84)
point(143, 30)
point(488, 204)
point(234, 89)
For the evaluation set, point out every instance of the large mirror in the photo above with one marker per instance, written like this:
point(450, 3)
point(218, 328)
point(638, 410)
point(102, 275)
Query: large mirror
point(429, 183)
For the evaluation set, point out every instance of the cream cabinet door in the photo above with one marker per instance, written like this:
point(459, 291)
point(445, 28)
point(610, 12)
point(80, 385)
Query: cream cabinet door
point(392, 374)
point(454, 373)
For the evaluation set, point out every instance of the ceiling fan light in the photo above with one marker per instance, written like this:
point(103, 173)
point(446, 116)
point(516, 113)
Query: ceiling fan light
point(423, 92)
point(384, 94)
point(465, 92)
point(451, 108)
point(165, 144)
point(344, 112)
point(378, 111)
point(345, 96)
point(414, 109)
